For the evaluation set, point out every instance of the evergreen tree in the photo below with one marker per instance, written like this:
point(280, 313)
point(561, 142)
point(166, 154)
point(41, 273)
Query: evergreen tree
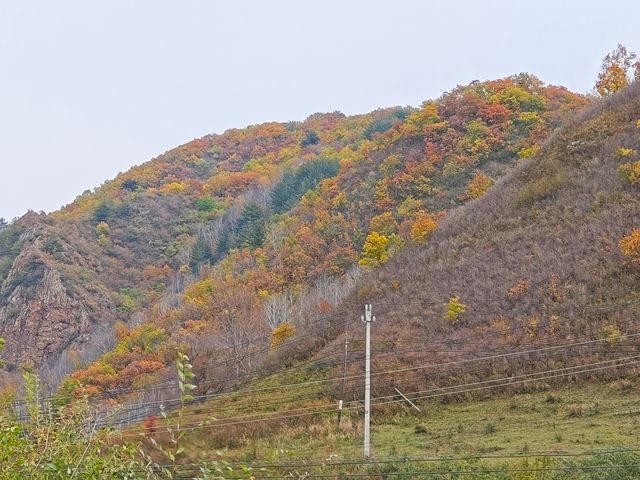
point(102, 213)
point(130, 185)
point(283, 192)
point(223, 245)
point(200, 255)
point(250, 226)
point(254, 235)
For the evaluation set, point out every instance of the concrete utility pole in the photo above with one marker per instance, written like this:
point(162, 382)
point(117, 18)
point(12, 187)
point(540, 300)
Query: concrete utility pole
point(344, 372)
point(367, 319)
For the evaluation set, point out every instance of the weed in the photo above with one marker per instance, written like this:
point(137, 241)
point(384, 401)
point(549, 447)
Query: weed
point(553, 398)
point(489, 429)
point(420, 429)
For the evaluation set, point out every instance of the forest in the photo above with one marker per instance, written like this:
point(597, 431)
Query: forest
point(191, 313)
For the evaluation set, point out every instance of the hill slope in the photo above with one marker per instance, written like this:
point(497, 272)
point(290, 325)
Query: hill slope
point(535, 260)
point(551, 319)
point(220, 241)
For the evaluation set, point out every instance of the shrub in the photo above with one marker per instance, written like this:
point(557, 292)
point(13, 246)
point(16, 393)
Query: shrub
point(103, 229)
point(519, 288)
point(174, 188)
point(199, 293)
point(624, 152)
point(206, 204)
point(478, 186)
point(455, 308)
point(52, 246)
point(384, 223)
point(420, 429)
point(630, 246)
point(423, 227)
point(574, 411)
point(130, 299)
point(281, 333)
point(528, 152)
point(61, 445)
point(630, 172)
point(489, 428)
point(611, 333)
point(540, 189)
point(553, 398)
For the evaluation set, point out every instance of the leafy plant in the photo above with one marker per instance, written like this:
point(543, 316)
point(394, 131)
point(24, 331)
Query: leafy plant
point(455, 308)
point(375, 251)
point(630, 172)
point(630, 246)
point(61, 443)
point(281, 333)
point(616, 69)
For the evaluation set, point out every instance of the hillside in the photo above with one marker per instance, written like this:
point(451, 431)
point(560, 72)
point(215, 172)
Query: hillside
point(538, 258)
point(220, 241)
point(500, 252)
point(548, 337)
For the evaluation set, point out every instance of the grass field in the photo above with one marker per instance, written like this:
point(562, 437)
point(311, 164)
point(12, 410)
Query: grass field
point(587, 417)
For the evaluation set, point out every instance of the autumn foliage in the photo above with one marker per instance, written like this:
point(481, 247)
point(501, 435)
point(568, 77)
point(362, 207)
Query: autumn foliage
point(207, 237)
point(454, 310)
point(630, 172)
point(375, 251)
point(423, 227)
point(281, 334)
point(630, 246)
point(617, 68)
point(478, 185)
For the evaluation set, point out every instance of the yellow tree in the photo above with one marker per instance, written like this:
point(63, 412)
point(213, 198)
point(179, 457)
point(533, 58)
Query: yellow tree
point(423, 227)
point(455, 308)
point(375, 251)
point(479, 184)
point(282, 333)
point(630, 172)
point(616, 68)
point(630, 246)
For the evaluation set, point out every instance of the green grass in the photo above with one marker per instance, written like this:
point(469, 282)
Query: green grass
point(562, 420)
point(567, 419)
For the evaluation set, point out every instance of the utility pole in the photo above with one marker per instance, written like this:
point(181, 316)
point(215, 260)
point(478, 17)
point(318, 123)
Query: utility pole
point(344, 371)
point(367, 318)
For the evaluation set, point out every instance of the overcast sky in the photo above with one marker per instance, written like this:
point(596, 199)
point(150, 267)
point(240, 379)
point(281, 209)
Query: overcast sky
point(89, 89)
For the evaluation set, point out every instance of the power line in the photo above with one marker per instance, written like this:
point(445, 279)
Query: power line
point(444, 459)
point(352, 377)
point(110, 394)
point(507, 381)
point(573, 468)
point(501, 355)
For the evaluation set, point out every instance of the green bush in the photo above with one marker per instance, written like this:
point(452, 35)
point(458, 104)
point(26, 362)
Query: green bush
point(540, 189)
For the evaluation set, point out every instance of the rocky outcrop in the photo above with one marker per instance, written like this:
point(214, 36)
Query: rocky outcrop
point(38, 317)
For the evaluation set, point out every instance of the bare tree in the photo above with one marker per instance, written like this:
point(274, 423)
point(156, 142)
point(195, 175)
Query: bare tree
point(277, 308)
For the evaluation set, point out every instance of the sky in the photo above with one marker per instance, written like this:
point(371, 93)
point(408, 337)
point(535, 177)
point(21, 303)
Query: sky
point(89, 89)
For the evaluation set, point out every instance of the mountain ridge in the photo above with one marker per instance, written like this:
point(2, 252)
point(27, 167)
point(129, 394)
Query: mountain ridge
point(127, 250)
